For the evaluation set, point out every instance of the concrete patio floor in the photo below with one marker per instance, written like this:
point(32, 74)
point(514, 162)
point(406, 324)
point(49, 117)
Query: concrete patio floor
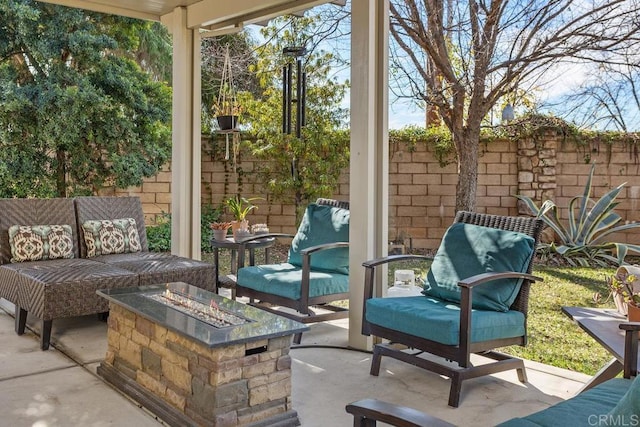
point(60, 387)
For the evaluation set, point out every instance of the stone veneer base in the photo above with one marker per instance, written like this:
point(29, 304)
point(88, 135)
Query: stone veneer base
point(167, 413)
point(187, 384)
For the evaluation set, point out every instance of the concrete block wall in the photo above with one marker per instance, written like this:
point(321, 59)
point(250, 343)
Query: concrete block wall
point(422, 192)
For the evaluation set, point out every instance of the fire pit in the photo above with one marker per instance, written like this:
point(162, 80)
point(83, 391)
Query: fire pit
point(195, 358)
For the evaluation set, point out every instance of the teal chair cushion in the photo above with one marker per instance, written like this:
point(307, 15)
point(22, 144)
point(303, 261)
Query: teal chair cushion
point(467, 250)
point(588, 408)
point(439, 321)
point(322, 224)
point(629, 404)
point(284, 280)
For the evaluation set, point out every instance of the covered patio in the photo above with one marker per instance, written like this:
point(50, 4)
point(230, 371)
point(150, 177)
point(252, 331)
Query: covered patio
point(190, 20)
point(60, 387)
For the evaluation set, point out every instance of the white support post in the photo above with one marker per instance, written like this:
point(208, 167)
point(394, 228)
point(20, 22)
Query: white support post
point(369, 169)
point(185, 158)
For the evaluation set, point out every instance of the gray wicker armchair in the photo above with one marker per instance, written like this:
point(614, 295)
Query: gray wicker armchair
point(497, 254)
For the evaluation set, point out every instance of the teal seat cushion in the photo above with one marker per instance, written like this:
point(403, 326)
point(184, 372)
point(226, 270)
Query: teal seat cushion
point(629, 404)
point(589, 408)
point(322, 224)
point(284, 280)
point(467, 250)
point(439, 320)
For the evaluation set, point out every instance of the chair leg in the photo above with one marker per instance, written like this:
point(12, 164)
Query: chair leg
point(21, 320)
point(45, 334)
point(297, 338)
point(454, 391)
point(104, 316)
point(376, 358)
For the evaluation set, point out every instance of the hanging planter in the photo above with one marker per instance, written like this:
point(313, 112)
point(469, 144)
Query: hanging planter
point(226, 108)
point(227, 122)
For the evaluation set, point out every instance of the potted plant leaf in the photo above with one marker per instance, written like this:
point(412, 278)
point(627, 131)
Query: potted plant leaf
point(240, 207)
point(220, 230)
point(624, 289)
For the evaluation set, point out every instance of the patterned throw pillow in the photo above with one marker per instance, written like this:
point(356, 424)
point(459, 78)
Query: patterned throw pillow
point(116, 236)
point(40, 242)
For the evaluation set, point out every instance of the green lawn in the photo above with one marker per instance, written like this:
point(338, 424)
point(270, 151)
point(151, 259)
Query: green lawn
point(553, 338)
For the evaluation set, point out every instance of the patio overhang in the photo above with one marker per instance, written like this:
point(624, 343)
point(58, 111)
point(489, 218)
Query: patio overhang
point(186, 20)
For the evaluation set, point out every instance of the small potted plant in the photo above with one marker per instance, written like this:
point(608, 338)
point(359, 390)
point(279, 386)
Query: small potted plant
point(625, 293)
point(226, 109)
point(220, 230)
point(240, 207)
point(227, 112)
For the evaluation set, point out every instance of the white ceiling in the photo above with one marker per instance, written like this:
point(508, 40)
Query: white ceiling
point(211, 14)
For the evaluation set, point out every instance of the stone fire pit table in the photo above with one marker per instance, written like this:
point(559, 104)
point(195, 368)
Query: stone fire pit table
point(196, 358)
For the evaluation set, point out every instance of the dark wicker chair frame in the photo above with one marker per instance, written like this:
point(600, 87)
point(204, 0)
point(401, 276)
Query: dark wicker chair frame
point(461, 352)
point(304, 307)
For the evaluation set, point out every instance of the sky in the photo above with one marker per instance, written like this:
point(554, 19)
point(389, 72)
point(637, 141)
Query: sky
point(549, 93)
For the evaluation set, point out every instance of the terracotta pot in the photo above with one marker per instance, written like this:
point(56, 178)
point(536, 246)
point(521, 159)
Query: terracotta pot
point(633, 313)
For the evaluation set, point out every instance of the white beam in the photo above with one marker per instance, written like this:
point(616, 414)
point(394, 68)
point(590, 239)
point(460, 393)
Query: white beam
point(185, 159)
point(214, 13)
point(369, 161)
point(106, 8)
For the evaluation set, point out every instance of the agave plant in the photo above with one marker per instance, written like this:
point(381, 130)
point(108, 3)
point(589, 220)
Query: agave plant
point(583, 240)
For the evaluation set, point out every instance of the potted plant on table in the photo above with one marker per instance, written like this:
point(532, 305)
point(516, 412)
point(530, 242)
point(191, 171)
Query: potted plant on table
point(220, 230)
point(625, 290)
point(240, 207)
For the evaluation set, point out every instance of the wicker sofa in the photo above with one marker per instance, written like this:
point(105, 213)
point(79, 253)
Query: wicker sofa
point(66, 286)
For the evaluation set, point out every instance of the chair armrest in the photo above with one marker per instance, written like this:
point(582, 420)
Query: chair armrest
point(371, 409)
point(392, 258)
point(479, 279)
point(312, 249)
point(630, 348)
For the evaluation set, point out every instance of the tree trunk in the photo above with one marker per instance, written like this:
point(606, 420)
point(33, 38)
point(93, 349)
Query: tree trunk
point(466, 143)
point(61, 174)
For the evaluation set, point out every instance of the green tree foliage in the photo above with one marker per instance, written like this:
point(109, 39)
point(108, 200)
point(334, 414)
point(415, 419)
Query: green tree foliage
point(76, 112)
point(297, 169)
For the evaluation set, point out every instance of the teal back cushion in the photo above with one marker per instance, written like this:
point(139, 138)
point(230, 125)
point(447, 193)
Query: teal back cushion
point(322, 224)
point(628, 408)
point(467, 250)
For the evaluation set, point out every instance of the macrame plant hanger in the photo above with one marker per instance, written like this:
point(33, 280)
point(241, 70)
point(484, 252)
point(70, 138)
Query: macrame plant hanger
point(227, 98)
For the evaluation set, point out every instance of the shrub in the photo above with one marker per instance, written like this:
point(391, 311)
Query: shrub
point(583, 241)
point(159, 236)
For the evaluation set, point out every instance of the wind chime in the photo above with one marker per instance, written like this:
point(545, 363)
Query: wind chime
point(288, 99)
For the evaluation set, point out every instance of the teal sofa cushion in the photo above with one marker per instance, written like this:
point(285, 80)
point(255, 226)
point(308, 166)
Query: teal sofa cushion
point(322, 224)
point(439, 320)
point(467, 250)
point(588, 408)
point(284, 280)
point(628, 406)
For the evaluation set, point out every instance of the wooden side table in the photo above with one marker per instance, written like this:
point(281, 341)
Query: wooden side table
point(603, 325)
point(229, 280)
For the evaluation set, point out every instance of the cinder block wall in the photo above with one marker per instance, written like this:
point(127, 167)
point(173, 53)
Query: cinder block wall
point(422, 192)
